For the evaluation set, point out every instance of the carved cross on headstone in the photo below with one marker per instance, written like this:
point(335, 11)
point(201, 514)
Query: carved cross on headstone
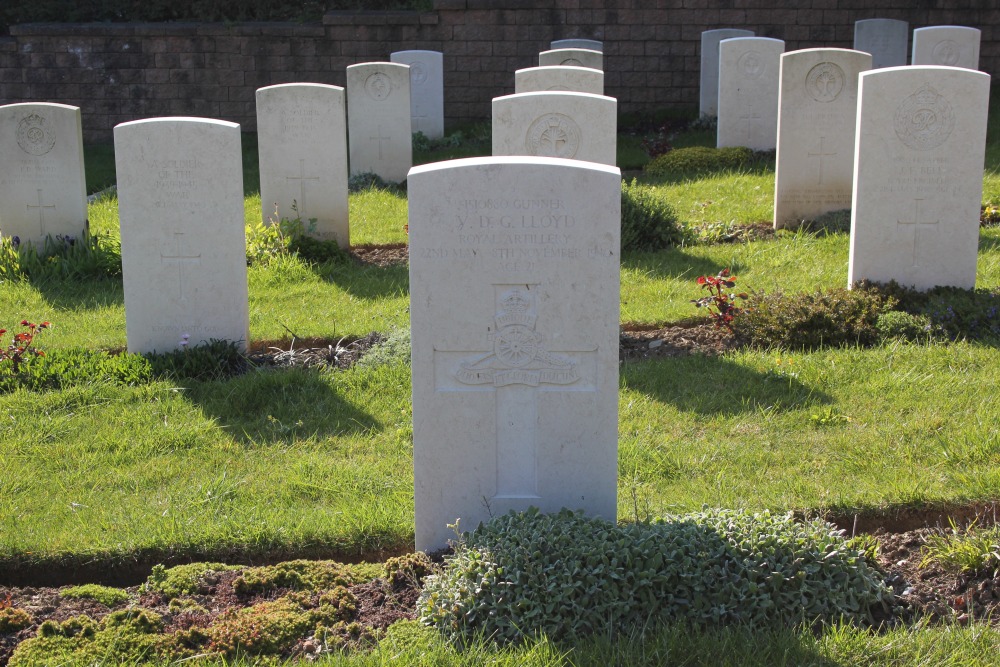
point(750, 117)
point(820, 154)
point(41, 211)
point(379, 138)
point(516, 370)
point(179, 260)
point(302, 178)
point(916, 224)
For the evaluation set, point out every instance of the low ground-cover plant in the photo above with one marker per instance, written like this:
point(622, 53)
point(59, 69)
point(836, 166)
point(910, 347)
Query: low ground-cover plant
point(701, 160)
point(284, 237)
point(648, 222)
point(565, 575)
point(106, 595)
point(61, 258)
point(811, 320)
point(970, 550)
point(950, 313)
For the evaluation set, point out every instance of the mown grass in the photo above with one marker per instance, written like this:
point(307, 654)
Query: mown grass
point(308, 462)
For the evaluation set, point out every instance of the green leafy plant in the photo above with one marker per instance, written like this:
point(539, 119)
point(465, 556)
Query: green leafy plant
point(700, 160)
point(720, 304)
point(952, 312)
point(829, 317)
point(210, 360)
point(648, 223)
point(565, 575)
point(61, 258)
point(900, 325)
point(61, 368)
point(973, 549)
point(182, 579)
point(21, 345)
point(830, 416)
point(106, 595)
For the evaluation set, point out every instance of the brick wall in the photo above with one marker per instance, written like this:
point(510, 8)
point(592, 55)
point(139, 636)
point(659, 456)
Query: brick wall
point(121, 72)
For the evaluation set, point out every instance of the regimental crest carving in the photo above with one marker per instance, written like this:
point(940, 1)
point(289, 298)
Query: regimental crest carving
point(418, 74)
point(825, 82)
point(553, 135)
point(518, 355)
point(378, 86)
point(924, 120)
point(947, 52)
point(35, 135)
point(572, 62)
point(752, 64)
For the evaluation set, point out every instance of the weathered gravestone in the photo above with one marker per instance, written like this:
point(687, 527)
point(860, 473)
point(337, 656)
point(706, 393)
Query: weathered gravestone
point(817, 110)
point(572, 58)
point(885, 39)
point(590, 44)
point(514, 307)
point(42, 185)
point(709, 82)
point(426, 90)
point(180, 203)
point(918, 183)
point(378, 117)
point(748, 92)
point(576, 126)
point(948, 45)
point(302, 136)
point(559, 77)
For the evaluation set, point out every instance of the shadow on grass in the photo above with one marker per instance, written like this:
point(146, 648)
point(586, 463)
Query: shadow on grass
point(674, 263)
point(367, 282)
point(78, 295)
point(280, 406)
point(989, 243)
point(717, 386)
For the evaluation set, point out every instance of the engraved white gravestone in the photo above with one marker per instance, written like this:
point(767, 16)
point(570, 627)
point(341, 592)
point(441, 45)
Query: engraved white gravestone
point(885, 39)
point(42, 185)
point(576, 126)
point(918, 176)
point(559, 77)
point(709, 97)
point(302, 137)
point(514, 309)
point(378, 119)
point(426, 90)
point(180, 204)
point(748, 92)
point(948, 45)
point(572, 58)
point(817, 111)
point(590, 44)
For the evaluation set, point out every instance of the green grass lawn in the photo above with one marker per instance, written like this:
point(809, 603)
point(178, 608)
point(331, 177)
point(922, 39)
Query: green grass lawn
point(308, 462)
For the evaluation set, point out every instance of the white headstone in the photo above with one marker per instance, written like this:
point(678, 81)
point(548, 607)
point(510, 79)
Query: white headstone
point(426, 90)
point(918, 177)
point(180, 205)
point(572, 58)
point(591, 44)
point(709, 98)
point(378, 117)
point(748, 92)
point(885, 39)
point(817, 111)
point(514, 309)
point(302, 138)
point(947, 45)
point(576, 126)
point(558, 77)
point(42, 185)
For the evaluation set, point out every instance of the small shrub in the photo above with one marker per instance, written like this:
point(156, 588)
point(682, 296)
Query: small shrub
point(811, 320)
point(899, 325)
point(409, 569)
point(565, 575)
point(699, 160)
point(211, 360)
point(13, 619)
point(954, 313)
point(182, 579)
point(720, 304)
point(395, 349)
point(106, 595)
point(648, 222)
point(22, 345)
